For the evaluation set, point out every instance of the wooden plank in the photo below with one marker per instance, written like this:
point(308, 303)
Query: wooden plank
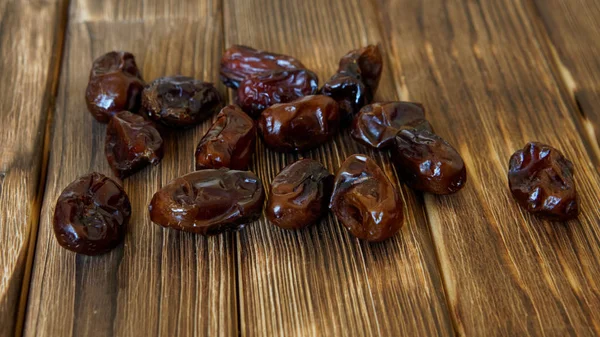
point(31, 34)
point(571, 29)
point(160, 282)
point(321, 281)
point(489, 88)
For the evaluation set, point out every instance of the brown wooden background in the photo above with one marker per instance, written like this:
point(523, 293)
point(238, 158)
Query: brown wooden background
point(492, 75)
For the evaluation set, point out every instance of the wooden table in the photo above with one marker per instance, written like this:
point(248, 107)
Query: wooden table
point(492, 76)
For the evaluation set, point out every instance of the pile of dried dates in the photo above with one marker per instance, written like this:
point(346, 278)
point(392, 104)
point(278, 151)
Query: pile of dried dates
point(279, 99)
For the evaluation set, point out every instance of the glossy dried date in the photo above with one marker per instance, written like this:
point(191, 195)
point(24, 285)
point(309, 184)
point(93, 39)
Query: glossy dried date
point(91, 215)
point(115, 84)
point(209, 201)
point(367, 62)
point(299, 195)
point(348, 91)
point(131, 143)
point(365, 201)
point(541, 181)
point(426, 162)
point(377, 124)
point(238, 62)
point(300, 125)
point(229, 142)
point(260, 91)
point(181, 101)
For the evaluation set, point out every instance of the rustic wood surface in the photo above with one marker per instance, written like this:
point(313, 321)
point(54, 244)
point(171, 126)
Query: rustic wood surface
point(322, 281)
point(492, 76)
point(30, 43)
point(573, 33)
point(479, 67)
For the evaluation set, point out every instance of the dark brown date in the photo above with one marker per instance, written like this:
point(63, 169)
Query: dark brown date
point(131, 143)
point(260, 91)
point(238, 62)
point(209, 201)
point(181, 101)
point(367, 63)
point(300, 125)
point(299, 195)
point(365, 201)
point(91, 215)
point(426, 162)
point(115, 84)
point(348, 91)
point(377, 124)
point(229, 142)
point(541, 181)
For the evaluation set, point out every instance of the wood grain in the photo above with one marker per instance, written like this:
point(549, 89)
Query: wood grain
point(31, 34)
point(159, 282)
point(321, 281)
point(488, 88)
point(572, 29)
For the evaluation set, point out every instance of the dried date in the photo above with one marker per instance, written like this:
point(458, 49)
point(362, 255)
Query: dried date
point(366, 63)
point(541, 181)
point(229, 142)
point(131, 143)
point(377, 124)
point(348, 91)
point(181, 101)
point(426, 162)
point(300, 125)
point(209, 201)
point(260, 91)
point(238, 62)
point(299, 195)
point(115, 84)
point(91, 215)
point(356, 80)
point(365, 201)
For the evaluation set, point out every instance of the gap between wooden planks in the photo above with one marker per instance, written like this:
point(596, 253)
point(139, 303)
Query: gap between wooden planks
point(30, 55)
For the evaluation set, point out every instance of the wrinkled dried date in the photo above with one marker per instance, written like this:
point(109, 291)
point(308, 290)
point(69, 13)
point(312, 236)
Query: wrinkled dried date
point(260, 91)
point(541, 181)
point(181, 101)
point(377, 124)
point(299, 195)
point(348, 91)
point(365, 201)
point(300, 125)
point(91, 215)
point(131, 143)
point(238, 62)
point(367, 63)
point(356, 80)
point(115, 84)
point(426, 162)
point(229, 142)
point(209, 201)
